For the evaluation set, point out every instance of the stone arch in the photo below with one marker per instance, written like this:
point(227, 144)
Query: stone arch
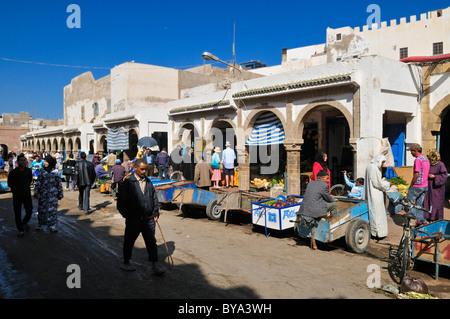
point(299, 122)
point(181, 135)
point(55, 146)
point(440, 110)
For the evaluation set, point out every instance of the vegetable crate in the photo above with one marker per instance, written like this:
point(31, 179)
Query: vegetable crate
point(278, 218)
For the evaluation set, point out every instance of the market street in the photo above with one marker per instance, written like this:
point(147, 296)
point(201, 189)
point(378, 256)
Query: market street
point(210, 260)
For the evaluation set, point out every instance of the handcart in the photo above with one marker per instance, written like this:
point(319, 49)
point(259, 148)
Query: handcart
point(183, 195)
point(227, 201)
point(265, 214)
point(351, 221)
point(428, 242)
point(167, 189)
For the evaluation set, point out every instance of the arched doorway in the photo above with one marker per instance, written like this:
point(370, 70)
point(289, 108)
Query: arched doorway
point(326, 128)
point(443, 144)
point(55, 147)
point(70, 146)
point(133, 139)
point(267, 155)
point(63, 148)
point(188, 136)
point(103, 147)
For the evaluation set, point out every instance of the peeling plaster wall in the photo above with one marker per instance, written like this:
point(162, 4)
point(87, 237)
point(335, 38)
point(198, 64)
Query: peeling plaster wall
point(416, 34)
point(84, 90)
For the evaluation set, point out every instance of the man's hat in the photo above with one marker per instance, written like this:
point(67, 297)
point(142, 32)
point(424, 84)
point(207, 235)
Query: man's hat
point(322, 173)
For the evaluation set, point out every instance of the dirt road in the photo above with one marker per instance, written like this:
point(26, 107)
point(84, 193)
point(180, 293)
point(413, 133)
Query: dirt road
point(210, 260)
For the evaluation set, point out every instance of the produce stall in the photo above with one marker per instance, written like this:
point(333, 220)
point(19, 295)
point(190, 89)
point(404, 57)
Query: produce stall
point(265, 182)
point(276, 213)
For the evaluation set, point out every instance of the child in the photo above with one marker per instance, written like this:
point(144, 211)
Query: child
point(357, 191)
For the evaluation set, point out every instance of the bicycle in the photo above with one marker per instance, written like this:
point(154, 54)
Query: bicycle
point(341, 189)
point(400, 257)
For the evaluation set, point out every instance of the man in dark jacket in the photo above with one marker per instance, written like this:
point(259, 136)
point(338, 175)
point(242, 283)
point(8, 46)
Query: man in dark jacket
point(117, 175)
point(317, 201)
point(162, 163)
point(19, 180)
point(138, 204)
point(84, 178)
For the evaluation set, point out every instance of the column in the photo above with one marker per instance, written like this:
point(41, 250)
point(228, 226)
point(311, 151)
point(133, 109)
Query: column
point(293, 168)
point(243, 159)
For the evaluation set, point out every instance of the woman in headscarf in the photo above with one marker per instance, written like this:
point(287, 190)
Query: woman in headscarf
point(48, 189)
point(435, 197)
point(374, 186)
point(320, 163)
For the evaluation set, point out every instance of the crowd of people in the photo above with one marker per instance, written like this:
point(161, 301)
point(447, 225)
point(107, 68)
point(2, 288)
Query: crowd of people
point(426, 190)
point(136, 197)
point(137, 200)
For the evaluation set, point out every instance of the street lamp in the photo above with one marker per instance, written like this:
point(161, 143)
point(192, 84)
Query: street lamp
point(209, 56)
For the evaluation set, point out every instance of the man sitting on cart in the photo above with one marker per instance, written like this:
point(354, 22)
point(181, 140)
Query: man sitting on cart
point(317, 201)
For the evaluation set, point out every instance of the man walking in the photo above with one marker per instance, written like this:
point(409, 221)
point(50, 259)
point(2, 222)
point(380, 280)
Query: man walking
point(419, 183)
point(117, 175)
point(228, 158)
point(84, 178)
point(162, 163)
point(138, 204)
point(19, 180)
point(149, 159)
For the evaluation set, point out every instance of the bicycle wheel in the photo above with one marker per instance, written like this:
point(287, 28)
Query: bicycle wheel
point(337, 190)
point(399, 261)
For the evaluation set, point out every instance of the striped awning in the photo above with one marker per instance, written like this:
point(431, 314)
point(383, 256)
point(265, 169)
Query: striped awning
point(117, 139)
point(267, 130)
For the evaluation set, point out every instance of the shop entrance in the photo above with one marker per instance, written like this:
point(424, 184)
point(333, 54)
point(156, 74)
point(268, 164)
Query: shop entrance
point(443, 144)
point(267, 155)
point(326, 129)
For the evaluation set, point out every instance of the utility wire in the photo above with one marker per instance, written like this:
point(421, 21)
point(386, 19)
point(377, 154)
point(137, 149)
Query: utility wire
point(85, 67)
point(57, 65)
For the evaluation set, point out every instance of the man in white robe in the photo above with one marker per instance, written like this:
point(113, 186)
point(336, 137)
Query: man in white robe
point(373, 193)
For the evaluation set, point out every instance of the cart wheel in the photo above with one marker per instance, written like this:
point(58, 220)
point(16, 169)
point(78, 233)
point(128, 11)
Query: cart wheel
point(212, 211)
point(357, 236)
point(399, 261)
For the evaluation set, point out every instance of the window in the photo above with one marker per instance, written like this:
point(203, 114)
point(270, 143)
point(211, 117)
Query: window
point(403, 53)
point(95, 109)
point(108, 109)
point(438, 48)
point(338, 37)
point(82, 112)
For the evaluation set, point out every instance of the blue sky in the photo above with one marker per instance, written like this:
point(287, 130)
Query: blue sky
point(166, 33)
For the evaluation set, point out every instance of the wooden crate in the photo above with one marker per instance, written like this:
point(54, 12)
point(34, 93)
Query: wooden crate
point(405, 172)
